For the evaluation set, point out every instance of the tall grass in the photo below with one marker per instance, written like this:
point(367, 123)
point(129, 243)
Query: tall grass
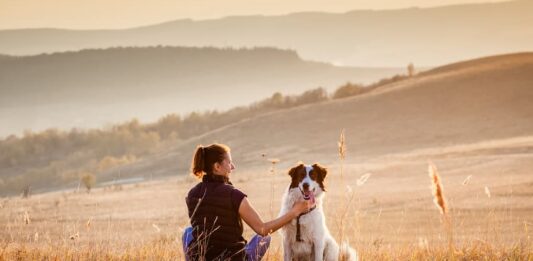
point(272, 171)
point(170, 249)
point(349, 193)
point(27, 236)
point(441, 203)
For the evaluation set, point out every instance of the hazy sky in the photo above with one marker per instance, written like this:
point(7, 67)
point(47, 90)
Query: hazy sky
point(101, 14)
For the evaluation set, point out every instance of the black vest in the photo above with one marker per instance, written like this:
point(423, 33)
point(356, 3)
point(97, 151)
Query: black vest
point(217, 226)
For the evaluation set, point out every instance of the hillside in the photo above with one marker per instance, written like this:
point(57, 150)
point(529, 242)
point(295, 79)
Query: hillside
point(472, 119)
point(473, 109)
point(91, 88)
point(424, 36)
point(478, 102)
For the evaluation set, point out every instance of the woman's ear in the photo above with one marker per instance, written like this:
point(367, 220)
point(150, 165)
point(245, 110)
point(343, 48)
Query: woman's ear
point(216, 167)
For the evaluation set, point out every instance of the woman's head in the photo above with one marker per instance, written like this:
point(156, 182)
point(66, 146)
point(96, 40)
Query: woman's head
point(215, 159)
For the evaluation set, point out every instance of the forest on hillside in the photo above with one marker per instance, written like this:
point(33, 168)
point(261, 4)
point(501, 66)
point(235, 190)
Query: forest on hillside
point(59, 157)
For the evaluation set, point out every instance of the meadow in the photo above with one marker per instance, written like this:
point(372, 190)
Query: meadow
point(471, 120)
point(384, 208)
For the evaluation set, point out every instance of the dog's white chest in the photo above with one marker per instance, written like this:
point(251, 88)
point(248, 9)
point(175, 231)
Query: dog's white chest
point(303, 250)
point(309, 232)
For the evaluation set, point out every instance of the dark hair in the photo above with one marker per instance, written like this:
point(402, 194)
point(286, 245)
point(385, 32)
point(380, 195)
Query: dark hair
point(205, 157)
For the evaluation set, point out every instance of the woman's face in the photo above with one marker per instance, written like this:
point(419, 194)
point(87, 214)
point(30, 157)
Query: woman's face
point(225, 167)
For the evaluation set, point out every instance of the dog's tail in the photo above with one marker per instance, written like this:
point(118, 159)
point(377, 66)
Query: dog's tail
point(346, 253)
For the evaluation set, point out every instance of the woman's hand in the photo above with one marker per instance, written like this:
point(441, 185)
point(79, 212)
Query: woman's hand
point(252, 218)
point(303, 206)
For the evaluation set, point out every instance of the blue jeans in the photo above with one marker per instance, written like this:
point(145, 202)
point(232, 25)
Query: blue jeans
point(255, 249)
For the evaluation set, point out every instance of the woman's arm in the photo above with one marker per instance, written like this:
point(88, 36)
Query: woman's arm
point(252, 218)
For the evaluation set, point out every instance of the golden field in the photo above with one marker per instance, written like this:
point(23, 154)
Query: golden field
point(473, 120)
point(391, 216)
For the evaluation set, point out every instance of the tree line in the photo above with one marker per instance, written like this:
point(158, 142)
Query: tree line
point(67, 155)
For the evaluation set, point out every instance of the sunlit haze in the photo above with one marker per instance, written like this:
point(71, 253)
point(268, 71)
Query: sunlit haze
point(102, 14)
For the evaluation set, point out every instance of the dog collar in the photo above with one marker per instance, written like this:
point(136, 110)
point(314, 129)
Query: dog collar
point(313, 208)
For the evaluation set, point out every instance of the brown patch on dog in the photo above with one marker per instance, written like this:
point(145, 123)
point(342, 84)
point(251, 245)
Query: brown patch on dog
point(318, 174)
point(297, 174)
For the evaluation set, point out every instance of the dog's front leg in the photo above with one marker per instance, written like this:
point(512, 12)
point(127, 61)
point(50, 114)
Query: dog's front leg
point(318, 247)
point(287, 251)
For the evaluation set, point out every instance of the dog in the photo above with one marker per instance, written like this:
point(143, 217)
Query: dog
point(307, 237)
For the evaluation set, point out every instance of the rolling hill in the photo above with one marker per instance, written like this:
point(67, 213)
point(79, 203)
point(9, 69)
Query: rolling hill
point(485, 101)
point(473, 119)
point(91, 88)
point(475, 115)
point(382, 38)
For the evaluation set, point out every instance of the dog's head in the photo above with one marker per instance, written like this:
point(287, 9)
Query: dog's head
point(308, 179)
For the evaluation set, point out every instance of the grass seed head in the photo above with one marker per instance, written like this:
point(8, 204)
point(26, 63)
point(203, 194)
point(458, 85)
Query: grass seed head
point(438, 191)
point(487, 191)
point(342, 145)
point(362, 180)
point(467, 180)
point(27, 218)
point(156, 227)
point(273, 161)
point(75, 236)
point(88, 224)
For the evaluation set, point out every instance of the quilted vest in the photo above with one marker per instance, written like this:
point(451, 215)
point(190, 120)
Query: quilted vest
point(217, 226)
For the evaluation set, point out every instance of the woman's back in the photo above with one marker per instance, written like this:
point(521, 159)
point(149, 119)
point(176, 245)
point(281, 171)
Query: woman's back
point(217, 227)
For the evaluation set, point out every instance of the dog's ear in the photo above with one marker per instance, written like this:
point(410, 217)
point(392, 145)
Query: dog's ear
point(322, 172)
point(293, 170)
point(293, 174)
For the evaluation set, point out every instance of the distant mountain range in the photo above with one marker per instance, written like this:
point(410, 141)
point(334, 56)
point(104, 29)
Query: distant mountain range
point(424, 36)
point(91, 88)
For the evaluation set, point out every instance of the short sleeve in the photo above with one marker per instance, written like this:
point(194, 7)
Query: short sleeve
point(236, 198)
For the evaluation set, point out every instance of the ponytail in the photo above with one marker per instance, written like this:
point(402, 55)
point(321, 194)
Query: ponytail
point(198, 162)
point(205, 157)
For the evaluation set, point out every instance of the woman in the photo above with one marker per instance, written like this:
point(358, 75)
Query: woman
point(216, 210)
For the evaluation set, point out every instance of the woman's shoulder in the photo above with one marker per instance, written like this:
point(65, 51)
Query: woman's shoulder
point(195, 190)
point(237, 191)
point(236, 198)
point(234, 190)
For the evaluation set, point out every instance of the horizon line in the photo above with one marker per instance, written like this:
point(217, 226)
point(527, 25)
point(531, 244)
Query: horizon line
point(207, 19)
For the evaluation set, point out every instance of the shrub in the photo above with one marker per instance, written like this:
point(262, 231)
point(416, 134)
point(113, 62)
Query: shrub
point(348, 90)
point(88, 180)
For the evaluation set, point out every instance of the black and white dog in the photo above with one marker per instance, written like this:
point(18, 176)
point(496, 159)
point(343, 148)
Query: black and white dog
point(307, 237)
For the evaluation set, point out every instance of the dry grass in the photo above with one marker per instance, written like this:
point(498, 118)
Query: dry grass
point(389, 216)
point(438, 190)
point(161, 250)
point(165, 249)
